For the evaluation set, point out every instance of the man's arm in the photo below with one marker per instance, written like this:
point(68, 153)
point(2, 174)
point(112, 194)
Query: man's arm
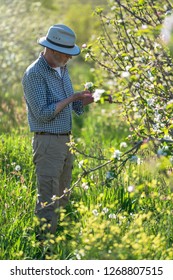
point(84, 96)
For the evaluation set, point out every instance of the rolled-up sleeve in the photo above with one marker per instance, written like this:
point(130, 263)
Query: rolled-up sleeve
point(36, 97)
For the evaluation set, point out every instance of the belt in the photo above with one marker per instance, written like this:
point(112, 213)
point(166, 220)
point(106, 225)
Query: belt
point(49, 133)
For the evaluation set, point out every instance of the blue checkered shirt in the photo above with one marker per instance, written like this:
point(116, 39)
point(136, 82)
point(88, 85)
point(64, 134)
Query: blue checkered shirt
point(43, 89)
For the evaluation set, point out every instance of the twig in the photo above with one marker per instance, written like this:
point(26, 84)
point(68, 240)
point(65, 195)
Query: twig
point(132, 13)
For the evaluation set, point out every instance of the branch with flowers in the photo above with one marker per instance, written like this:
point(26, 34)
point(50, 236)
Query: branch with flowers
point(117, 161)
point(130, 53)
point(98, 94)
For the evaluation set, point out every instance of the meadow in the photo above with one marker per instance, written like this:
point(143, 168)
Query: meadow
point(108, 217)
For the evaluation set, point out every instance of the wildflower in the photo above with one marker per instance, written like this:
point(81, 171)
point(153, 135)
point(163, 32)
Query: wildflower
point(17, 168)
point(112, 216)
point(95, 212)
point(117, 154)
point(131, 188)
point(123, 145)
point(84, 46)
point(97, 94)
point(105, 210)
point(85, 186)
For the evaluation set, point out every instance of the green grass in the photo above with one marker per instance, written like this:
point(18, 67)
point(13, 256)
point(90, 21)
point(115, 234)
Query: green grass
point(103, 220)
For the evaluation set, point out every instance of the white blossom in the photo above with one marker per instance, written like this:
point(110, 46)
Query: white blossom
point(112, 216)
point(123, 145)
point(84, 46)
point(80, 163)
point(85, 186)
point(117, 154)
point(150, 101)
point(130, 188)
point(95, 212)
point(105, 210)
point(167, 137)
point(128, 67)
point(97, 94)
point(66, 191)
point(54, 197)
point(144, 26)
point(17, 168)
point(89, 85)
point(125, 74)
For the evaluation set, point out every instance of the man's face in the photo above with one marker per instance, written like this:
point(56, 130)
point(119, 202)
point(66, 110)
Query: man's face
point(61, 59)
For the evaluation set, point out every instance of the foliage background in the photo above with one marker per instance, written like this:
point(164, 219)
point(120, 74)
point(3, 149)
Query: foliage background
point(121, 202)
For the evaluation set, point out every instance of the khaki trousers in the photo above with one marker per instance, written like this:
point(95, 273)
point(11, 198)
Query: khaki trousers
point(53, 162)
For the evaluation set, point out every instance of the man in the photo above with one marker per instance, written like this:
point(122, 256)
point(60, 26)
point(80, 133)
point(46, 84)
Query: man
point(50, 100)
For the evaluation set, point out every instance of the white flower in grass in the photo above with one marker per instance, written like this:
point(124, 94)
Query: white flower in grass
point(105, 210)
point(84, 46)
point(97, 94)
point(95, 212)
point(85, 186)
point(17, 168)
point(131, 188)
point(112, 216)
point(123, 145)
point(117, 154)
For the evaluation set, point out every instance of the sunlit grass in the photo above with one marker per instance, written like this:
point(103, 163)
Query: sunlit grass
point(129, 217)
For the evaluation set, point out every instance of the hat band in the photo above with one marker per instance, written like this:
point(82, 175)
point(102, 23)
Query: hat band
point(59, 45)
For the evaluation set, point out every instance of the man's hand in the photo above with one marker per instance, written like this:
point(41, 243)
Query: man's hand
point(85, 96)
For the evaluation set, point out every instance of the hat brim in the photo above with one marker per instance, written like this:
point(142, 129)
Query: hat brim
point(70, 51)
